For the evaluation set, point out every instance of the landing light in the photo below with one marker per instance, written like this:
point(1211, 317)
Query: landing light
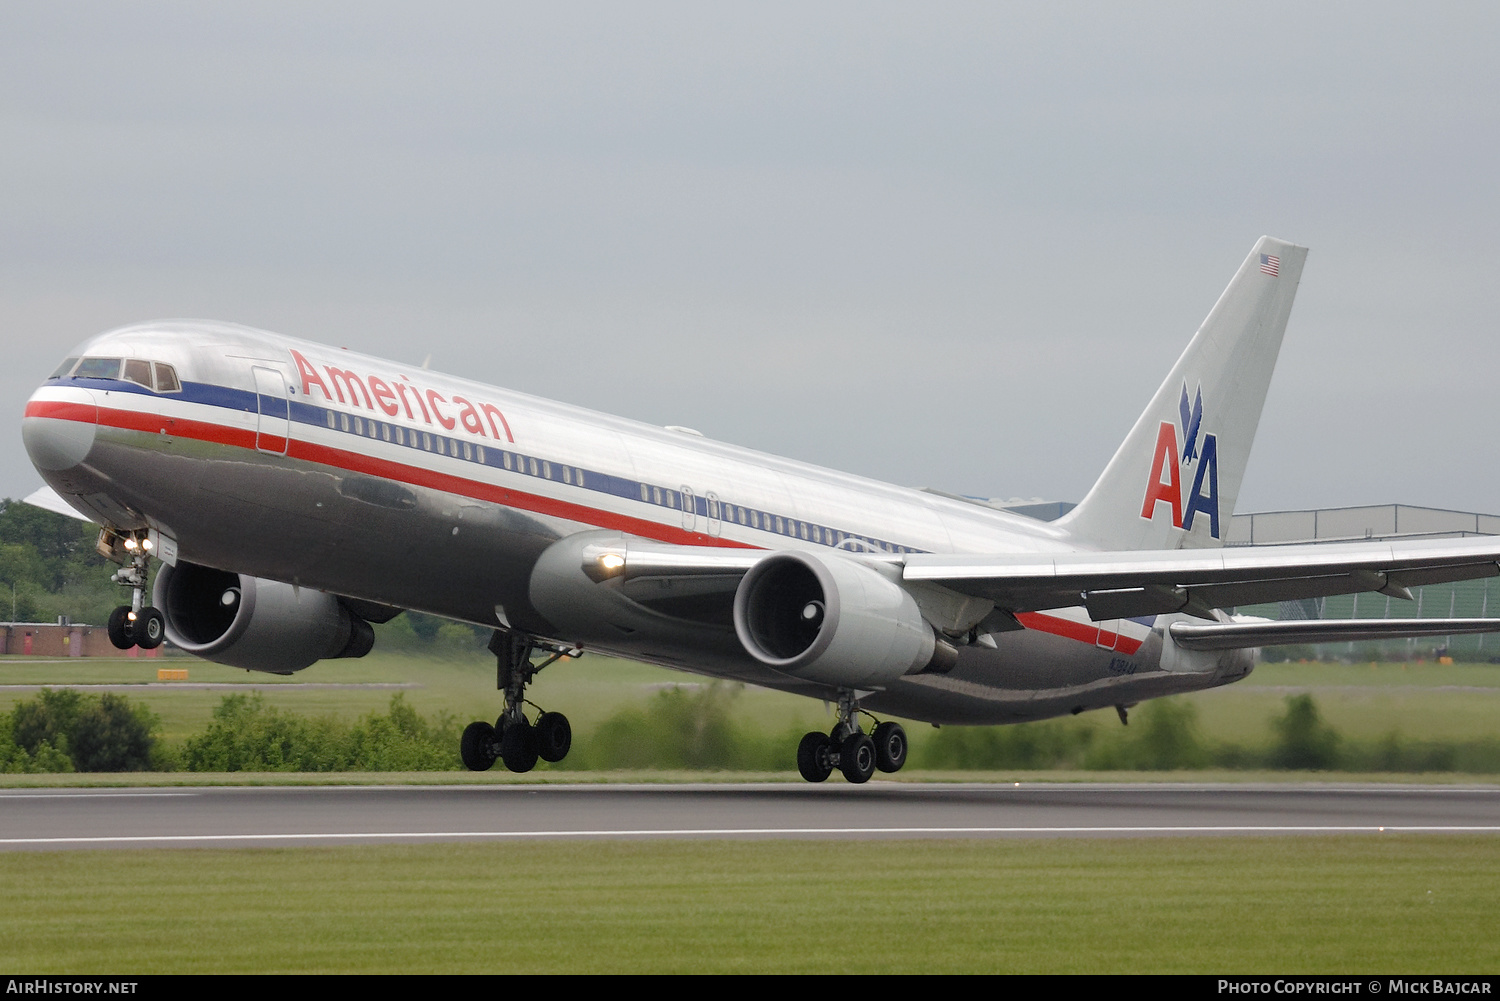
point(145, 543)
point(612, 561)
point(130, 544)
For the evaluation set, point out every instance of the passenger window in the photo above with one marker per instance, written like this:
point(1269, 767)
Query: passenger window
point(479, 451)
point(98, 368)
point(166, 379)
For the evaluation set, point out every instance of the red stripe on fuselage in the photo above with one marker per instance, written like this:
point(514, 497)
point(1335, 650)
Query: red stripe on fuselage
point(1080, 632)
point(1083, 632)
point(357, 462)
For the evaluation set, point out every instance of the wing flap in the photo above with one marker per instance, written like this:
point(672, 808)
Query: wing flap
point(1241, 635)
point(1198, 581)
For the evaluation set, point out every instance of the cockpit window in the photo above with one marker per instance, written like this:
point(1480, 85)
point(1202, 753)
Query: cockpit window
point(98, 368)
point(138, 371)
point(166, 378)
point(64, 368)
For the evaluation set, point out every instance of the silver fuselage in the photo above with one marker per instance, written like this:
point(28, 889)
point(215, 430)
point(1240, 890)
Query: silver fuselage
point(332, 470)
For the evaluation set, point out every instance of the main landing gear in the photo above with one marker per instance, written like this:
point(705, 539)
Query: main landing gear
point(858, 755)
point(514, 739)
point(135, 624)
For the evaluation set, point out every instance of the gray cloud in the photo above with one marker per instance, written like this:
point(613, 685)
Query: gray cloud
point(957, 245)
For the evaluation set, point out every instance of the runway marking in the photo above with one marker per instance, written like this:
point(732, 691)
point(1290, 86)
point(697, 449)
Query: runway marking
point(91, 795)
point(762, 831)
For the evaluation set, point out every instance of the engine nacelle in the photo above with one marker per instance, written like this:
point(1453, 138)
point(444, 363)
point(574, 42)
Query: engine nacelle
point(260, 625)
point(834, 620)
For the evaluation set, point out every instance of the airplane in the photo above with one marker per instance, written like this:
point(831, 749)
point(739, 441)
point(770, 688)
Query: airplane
point(291, 494)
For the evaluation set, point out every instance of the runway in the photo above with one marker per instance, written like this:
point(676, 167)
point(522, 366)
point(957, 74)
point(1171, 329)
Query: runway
point(60, 819)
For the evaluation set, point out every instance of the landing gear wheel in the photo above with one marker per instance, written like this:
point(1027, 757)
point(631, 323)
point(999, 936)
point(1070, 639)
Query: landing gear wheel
point(518, 746)
point(890, 746)
point(857, 758)
point(150, 628)
point(814, 757)
point(477, 746)
point(118, 628)
point(554, 736)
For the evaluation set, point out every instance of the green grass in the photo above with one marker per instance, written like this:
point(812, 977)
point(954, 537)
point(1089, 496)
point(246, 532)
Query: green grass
point(589, 690)
point(1390, 903)
point(1364, 702)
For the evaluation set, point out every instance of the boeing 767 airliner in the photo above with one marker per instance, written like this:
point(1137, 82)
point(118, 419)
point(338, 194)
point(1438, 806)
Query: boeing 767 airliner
point(294, 493)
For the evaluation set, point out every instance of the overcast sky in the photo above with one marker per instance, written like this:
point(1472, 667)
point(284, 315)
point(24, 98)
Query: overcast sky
point(955, 245)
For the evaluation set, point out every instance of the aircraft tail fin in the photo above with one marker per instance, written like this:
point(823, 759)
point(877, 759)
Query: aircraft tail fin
point(1174, 481)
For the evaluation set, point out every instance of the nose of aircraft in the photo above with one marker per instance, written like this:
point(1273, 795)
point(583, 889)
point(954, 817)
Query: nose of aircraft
point(59, 427)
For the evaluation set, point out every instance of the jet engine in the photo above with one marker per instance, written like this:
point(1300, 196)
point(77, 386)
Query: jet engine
point(260, 625)
point(834, 620)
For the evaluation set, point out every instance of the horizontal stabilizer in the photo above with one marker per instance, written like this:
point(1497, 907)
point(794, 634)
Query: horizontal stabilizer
point(1241, 635)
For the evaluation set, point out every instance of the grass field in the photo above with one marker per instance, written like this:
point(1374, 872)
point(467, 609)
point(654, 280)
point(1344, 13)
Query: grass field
point(1363, 701)
point(1382, 903)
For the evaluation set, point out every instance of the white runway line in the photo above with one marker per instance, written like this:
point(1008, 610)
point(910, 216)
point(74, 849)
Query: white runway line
point(760, 832)
point(92, 795)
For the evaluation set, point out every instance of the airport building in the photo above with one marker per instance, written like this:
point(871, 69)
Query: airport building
point(61, 639)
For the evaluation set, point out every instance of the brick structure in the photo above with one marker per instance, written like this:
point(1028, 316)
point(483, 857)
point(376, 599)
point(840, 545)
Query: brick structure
point(52, 639)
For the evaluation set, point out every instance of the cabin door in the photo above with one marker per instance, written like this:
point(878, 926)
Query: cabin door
point(273, 426)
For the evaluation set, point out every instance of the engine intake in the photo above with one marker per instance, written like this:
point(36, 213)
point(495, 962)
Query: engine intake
point(834, 620)
point(257, 624)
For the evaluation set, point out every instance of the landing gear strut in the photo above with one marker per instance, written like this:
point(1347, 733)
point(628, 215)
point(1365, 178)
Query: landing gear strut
point(513, 739)
point(855, 753)
point(135, 624)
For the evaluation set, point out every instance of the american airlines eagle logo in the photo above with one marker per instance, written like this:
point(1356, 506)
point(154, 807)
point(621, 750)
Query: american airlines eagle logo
point(1175, 458)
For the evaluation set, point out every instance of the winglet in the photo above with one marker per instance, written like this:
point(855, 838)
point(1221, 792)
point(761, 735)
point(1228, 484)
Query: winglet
point(1174, 481)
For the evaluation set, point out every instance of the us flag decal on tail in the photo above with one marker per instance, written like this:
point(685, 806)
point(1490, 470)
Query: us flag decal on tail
point(1270, 265)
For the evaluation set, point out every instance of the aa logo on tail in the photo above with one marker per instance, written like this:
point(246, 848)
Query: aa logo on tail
point(1174, 459)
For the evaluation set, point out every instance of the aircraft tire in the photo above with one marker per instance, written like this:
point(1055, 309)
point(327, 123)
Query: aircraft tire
point(813, 757)
point(857, 758)
point(890, 746)
point(477, 746)
point(150, 629)
point(118, 628)
point(554, 736)
point(518, 747)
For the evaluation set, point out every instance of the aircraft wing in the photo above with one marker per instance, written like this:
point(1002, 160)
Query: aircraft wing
point(1197, 581)
point(1108, 584)
point(1240, 635)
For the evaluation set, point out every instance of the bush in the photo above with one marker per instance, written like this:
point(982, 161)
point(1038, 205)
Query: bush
point(248, 735)
point(111, 735)
point(1045, 744)
point(683, 727)
point(65, 730)
point(1303, 739)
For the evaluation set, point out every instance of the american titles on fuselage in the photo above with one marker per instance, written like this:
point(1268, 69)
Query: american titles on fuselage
point(397, 396)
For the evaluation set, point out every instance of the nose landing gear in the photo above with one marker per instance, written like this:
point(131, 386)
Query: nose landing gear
point(513, 739)
point(858, 755)
point(135, 624)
